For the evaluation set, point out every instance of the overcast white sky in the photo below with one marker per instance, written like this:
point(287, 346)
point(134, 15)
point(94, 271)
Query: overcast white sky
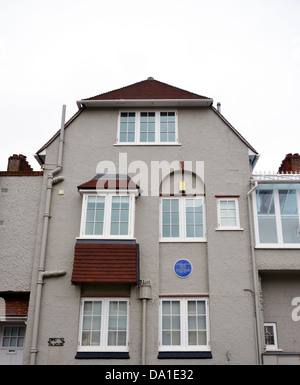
point(243, 53)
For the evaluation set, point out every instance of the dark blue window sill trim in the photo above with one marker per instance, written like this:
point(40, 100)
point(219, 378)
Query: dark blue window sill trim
point(102, 355)
point(184, 355)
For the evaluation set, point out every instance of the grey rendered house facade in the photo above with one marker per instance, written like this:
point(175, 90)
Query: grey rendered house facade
point(145, 241)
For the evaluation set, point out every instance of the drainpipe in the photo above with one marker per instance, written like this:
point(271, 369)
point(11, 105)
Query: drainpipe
point(255, 279)
point(42, 273)
point(145, 294)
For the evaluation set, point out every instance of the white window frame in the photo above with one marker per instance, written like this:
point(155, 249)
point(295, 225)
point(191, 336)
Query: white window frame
point(279, 244)
point(103, 347)
point(182, 221)
point(220, 225)
point(275, 345)
point(107, 215)
point(157, 128)
point(184, 346)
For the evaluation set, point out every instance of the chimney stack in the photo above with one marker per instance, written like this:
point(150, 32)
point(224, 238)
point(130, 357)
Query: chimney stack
point(17, 163)
point(290, 165)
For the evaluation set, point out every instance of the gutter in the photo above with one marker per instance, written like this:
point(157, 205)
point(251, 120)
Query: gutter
point(41, 271)
point(255, 279)
point(144, 103)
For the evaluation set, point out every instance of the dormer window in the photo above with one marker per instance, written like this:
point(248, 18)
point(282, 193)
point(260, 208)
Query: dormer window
point(148, 127)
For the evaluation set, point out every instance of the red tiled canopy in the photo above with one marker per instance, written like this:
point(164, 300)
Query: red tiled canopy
point(106, 261)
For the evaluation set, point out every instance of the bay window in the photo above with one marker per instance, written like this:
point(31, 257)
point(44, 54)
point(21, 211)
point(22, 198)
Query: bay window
point(107, 216)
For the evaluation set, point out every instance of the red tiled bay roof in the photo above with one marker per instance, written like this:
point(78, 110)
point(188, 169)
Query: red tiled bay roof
point(108, 181)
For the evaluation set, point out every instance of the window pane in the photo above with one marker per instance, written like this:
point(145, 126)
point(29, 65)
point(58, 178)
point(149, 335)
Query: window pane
point(171, 323)
point(87, 323)
point(269, 335)
point(91, 202)
point(166, 233)
point(196, 323)
point(91, 323)
point(266, 216)
point(88, 308)
point(290, 229)
point(228, 213)
point(265, 202)
point(267, 229)
point(94, 215)
point(289, 216)
point(194, 218)
point(127, 127)
point(117, 324)
point(166, 338)
point(167, 126)
point(123, 228)
point(119, 215)
point(95, 341)
point(112, 338)
point(288, 202)
point(5, 342)
point(89, 228)
point(170, 218)
point(20, 342)
point(98, 228)
point(147, 127)
point(121, 338)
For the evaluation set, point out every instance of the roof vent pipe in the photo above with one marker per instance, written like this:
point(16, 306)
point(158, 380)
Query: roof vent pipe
point(219, 107)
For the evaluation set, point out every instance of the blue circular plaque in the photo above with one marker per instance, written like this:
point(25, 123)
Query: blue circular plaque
point(183, 268)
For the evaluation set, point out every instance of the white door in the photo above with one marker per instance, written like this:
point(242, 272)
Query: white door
point(12, 338)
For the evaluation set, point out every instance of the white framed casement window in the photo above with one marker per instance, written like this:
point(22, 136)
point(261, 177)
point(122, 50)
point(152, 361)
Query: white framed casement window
point(104, 324)
point(107, 215)
point(276, 216)
point(270, 331)
point(228, 213)
point(184, 324)
point(182, 219)
point(147, 127)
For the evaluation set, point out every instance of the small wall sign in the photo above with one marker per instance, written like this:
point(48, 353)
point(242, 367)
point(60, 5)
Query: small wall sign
point(183, 268)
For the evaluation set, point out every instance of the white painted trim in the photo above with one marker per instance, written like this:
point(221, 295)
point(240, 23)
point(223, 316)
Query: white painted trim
point(182, 222)
point(280, 244)
point(107, 215)
point(184, 346)
point(103, 347)
point(157, 141)
point(237, 211)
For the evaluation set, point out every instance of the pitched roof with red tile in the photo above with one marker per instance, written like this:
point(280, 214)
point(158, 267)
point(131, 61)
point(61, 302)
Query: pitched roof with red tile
point(147, 89)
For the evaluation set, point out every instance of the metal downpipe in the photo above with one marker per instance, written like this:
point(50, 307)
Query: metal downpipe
point(41, 270)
